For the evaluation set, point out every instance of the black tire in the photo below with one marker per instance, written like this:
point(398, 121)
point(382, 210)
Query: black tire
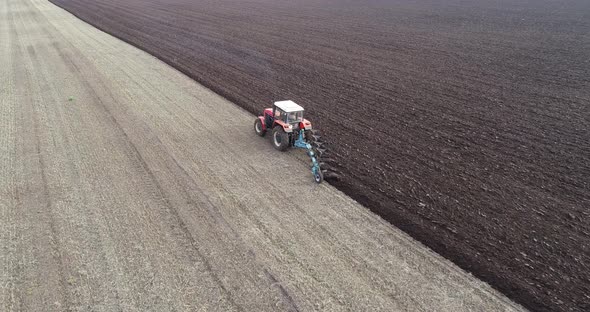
point(280, 139)
point(260, 131)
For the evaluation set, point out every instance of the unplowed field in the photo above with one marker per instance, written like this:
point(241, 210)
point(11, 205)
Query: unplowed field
point(466, 124)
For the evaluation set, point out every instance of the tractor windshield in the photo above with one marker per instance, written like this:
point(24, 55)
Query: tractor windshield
point(294, 117)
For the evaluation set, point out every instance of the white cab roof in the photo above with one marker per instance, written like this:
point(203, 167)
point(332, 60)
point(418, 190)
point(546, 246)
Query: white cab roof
point(288, 106)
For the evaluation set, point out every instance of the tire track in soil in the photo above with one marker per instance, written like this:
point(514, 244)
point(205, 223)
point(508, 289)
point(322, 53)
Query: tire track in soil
point(36, 206)
point(73, 219)
point(78, 280)
point(32, 23)
point(8, 215)
point(73, 67)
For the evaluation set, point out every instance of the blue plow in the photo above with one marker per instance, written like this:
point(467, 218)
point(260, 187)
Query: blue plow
point(300, 142)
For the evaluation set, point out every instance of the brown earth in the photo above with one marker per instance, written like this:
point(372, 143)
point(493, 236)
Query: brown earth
point(466, 124)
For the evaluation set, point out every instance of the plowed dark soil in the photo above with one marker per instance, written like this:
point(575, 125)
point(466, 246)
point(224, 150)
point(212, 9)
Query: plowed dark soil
point(466, 124)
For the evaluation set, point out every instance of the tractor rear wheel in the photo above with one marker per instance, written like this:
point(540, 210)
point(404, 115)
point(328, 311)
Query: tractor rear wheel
point(258, 128)
point(280, 139)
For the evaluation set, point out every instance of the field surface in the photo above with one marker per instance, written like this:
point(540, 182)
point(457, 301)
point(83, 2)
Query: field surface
point(127, 186)
point(464, 123)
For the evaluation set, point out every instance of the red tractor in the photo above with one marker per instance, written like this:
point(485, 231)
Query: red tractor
point(290, 129)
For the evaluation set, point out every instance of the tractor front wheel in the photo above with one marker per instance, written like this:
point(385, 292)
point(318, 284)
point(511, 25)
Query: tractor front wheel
point(280, 139)
point(258, 128)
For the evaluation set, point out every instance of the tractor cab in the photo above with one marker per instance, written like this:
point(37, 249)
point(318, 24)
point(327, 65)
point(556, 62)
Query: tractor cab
point(288, 112)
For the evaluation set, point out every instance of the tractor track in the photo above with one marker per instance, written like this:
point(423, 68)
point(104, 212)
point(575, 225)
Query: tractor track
point(119, 191)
